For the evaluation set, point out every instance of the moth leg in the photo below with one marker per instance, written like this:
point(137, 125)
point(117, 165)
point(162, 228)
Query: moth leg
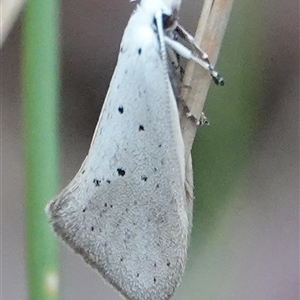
point(202, 60)
point(160, 31)
point(176, 73)
point(186, 36)
point(199, 122)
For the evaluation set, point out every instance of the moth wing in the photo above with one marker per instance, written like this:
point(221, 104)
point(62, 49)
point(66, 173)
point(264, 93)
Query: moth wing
point(125, 210)
point(176, 76)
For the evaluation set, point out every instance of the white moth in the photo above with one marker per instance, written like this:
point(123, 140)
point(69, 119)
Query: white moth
point(126, 210)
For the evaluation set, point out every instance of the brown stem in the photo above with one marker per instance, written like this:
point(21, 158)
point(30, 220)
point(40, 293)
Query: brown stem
point(209, 35)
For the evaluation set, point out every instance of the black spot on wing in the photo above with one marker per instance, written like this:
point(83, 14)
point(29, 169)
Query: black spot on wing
point(96, 182)
point(141, 128)
point(121, 109)
point(140, 51)
point(121, 172)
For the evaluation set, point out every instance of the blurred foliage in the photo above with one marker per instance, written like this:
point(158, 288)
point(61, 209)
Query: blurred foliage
point(40, 72)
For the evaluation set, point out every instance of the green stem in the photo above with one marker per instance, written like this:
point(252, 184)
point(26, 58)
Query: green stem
point(40, 95)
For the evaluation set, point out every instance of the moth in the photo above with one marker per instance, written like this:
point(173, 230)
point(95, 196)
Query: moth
point(126, 210)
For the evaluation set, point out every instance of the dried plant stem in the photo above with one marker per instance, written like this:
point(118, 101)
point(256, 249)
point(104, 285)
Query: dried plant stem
point(209, 35)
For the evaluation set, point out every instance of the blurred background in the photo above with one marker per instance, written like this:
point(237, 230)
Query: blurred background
point(245, 239)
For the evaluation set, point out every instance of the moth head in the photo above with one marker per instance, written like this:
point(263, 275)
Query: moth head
point(169, 9)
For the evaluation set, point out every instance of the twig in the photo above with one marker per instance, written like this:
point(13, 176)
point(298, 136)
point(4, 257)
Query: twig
point(209, 35)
